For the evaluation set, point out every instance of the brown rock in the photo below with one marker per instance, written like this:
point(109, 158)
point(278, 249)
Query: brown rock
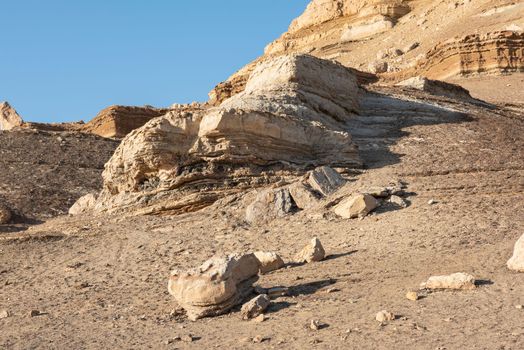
point(356, 206)
point(325, 180)
point(303, 196)
point(269, 261)
point(516, 262)
point(455, 281)
point(255, 307)
point(413, 296)
point(9, 118)
point(384, 316)
point(270, 204)
point(312, 252)
point(216, 286)
point(5, 214)
point(83, 204)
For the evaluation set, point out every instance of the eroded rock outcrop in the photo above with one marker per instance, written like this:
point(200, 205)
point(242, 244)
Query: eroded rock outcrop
point(458, 280)
point(496, 52)
point(118, 121)
point(290, 117)
point(9, 118)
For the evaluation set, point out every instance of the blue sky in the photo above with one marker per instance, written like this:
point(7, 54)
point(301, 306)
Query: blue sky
point(65, 60)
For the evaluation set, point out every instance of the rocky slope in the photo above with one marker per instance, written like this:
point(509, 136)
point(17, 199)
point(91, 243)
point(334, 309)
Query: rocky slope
point(412, 185)
point(43, 173)
point(402, 39)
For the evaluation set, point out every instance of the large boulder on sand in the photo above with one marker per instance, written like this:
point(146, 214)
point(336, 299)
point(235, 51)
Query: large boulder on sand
point(516, 262)
point(291, 116)
point(215, 287)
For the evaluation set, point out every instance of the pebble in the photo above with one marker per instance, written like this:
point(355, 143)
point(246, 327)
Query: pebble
point(4, 314)
point(520, 307)
point(384, 316)
point(412, 296)
point(314, 325)
point(35, 313)
point(432, 201)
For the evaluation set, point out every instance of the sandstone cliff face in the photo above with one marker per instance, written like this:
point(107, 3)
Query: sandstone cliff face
point(9, 118)
point(498, 52)
point(118, 121)
point(403, 38)
point(289, 118)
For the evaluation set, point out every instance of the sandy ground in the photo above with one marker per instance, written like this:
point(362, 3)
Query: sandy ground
point(100, 282)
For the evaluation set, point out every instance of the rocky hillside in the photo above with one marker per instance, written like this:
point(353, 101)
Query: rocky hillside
point(317, 201)
point(43, 173)
point(401, 39)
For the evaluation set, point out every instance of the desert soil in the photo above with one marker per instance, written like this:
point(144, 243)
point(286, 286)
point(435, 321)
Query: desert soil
point(100, 282)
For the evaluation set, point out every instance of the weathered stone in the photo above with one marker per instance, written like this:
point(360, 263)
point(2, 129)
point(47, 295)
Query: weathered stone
point(269, 261)
point(455, 281)
point(356, 206)
point(4, 314)
point(83, 204)
point(376, 191)
point(384, 316)
point(413, 296)
point(313, 251)
point(325, 180)
point(216, 286)
point(362, 30)
point(9, 118)
point(378, 67)
point(516, 262)
point(255, 307)
point(399, 201)
point(291, 115)
point(435, 87)
point(5, 214)
point(303, 196)
point(270, 204)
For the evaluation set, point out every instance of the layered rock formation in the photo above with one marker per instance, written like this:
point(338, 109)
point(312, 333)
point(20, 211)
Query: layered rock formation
point(498, 52)
point(400, 39)
point(9, 118)
point(118, 121)
point(290, 118)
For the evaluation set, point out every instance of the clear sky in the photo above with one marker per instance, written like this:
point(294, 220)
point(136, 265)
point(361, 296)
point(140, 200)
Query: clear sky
point(65, 60)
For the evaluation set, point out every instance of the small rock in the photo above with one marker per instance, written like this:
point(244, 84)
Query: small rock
point(378, 192)
point(325, 180)
point(303, 195)
point(378, 67)
point(432, 201)
point(188, 338)
point(520, 307)
point(356, 206)
point(255, 307)
point(412, 296)
point(259, 339)
point(4, 314)
point(459, 280)
point(313, 251)
point(269, 261)
point(35, 313)
point(516, 263)
point(384, 316)
point(315, 325)
point(277, 292)
point(398, 201)
point(260, 318)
